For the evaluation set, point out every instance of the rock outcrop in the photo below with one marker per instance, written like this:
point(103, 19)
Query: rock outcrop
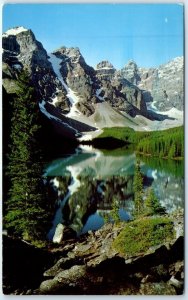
point(105, 70)
point(130, 72)
point(92, 266)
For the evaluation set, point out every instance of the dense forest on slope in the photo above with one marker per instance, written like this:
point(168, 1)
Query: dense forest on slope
point(167, 143)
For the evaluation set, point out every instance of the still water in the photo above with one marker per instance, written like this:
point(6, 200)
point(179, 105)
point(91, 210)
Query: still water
point(88, 182)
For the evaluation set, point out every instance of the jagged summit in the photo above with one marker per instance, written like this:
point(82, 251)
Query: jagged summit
point(105, 70)
point(130, 72)
point(105, 64)
point(15, 31)
point(131, 62)
point(71, 51)
point(177, 61)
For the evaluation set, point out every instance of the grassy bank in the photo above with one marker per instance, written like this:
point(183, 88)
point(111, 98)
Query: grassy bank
point(139, 235)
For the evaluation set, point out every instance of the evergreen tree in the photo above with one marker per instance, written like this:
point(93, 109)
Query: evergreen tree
point(152, 204)
point(26, 205)
point(115, 210)
point(138, 190)
point(168, 143)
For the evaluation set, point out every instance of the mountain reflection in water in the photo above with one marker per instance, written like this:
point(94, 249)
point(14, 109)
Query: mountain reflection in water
point(87, 183)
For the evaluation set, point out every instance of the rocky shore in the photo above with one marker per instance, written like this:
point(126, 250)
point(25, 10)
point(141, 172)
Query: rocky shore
point(90, 265)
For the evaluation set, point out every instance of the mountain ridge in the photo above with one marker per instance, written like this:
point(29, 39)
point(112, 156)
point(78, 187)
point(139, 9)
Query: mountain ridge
point(74, 95)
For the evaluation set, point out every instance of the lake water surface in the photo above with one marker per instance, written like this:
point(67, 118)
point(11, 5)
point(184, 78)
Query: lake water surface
point(87, 183)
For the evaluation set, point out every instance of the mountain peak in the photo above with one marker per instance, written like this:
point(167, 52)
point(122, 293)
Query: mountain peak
point(131, 63)
point(72, 51)
point(105, 64)
point(14, 31)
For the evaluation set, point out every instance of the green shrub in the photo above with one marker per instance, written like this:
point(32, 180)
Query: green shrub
point(139, 235)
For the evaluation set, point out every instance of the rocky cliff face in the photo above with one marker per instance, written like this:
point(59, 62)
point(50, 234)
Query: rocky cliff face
point(164, 86)
point(79, 77)
point(130, 72)
point(77, 98)
point(105, 70)
point(168, 85)
point(21, 50)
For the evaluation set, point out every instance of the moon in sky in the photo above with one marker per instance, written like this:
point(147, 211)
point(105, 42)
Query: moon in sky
point(166, 20)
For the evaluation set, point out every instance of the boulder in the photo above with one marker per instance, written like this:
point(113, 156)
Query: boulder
point(176, 283)
point(58, 236)
point(65, 282)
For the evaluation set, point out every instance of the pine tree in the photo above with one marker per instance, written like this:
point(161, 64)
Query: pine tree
point(138, 190)
point(115, 210)
point(152, 204)
point(26, 205)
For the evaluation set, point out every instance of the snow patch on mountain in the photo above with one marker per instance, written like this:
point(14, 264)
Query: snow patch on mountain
point(105, 68)
point(45, 112)
point(56, 64)
point(14, 31)
point(98, 93)
point(55, 99)
point(50, 116)
point(173, 113)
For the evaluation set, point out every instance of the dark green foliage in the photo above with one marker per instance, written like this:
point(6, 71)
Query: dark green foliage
point(138, 190)
point(152, 204)
point(121, 133)
point(139, 235)
point(167, 143)
point(113, 215)
point(115, 210)
point(123, 151)
point(26, 213)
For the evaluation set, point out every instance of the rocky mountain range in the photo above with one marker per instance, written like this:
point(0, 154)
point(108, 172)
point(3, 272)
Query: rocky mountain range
point(164, 84)
point(80, 100)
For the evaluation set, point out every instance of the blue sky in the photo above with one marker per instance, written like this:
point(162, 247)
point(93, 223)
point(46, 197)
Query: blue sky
point(150, 34)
